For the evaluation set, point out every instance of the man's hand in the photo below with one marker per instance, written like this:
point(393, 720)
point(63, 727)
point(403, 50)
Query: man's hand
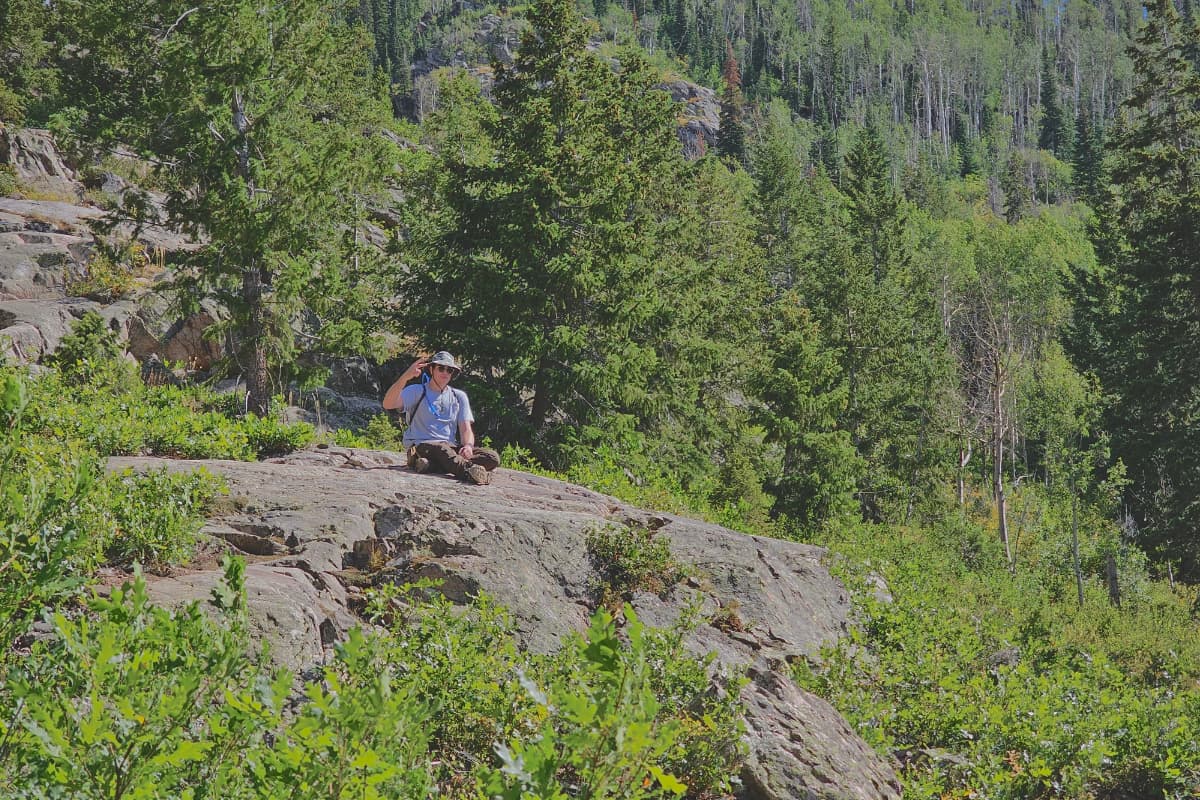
point(466, 451)
point(391, 398)
point(414, 369)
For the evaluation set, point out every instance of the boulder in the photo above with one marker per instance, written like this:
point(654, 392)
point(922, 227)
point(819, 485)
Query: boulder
point(331, 511)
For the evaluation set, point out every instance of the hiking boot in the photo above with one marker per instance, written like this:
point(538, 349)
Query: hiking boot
point(420, 464)
point(478, 475)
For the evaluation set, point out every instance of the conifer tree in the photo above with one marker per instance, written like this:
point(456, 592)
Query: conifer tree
point(1148, 239)
point(1055, 133)
point(265, 160)
point(569, 253)
point(1087, 159)
point(731, 138)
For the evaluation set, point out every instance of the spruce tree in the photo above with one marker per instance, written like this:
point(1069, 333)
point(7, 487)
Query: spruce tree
point(1148, 239)
point(731, 138)
point(1087, 159)
point(571, 252)
point(265, 160)
point(1055, 133)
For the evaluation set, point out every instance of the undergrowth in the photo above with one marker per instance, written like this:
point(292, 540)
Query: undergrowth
point(985, 681)
point(440, 700)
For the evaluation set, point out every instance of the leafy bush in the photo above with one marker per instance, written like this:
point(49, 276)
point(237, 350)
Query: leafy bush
point(268, 436)
point(40, 544)
point(1027, 695)
point(357, 734)
point(101, 403)
point(8, 175)
point(464, 662)
point(119, 703)
point(111, 272)
point(89, 346)
point(148, 518)
point(602, 734)
point(378, 434)
point(629, 560)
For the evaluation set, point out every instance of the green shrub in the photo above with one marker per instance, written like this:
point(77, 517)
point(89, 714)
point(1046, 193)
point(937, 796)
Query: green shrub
point(604, 732)
point(84, 351)
point(480, 690)
point(380, 433)
point(268, 436)
point(629, 560)
point(111, 272)
point(8, 175)
point(40, 545)
point(357, 734)
point(121, 701)
point(148, 518)
point(1029, 695)
point(463, 661)
point(113, 413)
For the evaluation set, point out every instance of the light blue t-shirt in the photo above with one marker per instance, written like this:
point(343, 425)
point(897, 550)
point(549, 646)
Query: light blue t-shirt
point(436, 418)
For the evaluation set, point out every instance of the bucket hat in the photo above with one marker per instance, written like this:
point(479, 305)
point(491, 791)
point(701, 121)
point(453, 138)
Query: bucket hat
point(446, 360)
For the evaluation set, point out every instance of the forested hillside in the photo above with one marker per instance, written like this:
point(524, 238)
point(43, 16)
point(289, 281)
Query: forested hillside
point(931, 299)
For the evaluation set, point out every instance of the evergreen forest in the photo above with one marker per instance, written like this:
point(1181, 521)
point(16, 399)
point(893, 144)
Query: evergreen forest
point(930, 298)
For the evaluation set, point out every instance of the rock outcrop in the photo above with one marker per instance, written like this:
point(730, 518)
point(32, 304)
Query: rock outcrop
point(309, 520)
point(45, 244)
point(36, 161)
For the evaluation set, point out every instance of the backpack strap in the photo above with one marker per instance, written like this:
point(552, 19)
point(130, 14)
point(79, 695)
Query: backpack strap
point(409, 416)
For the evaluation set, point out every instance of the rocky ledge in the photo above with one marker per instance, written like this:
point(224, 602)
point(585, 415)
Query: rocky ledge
point(311, 520)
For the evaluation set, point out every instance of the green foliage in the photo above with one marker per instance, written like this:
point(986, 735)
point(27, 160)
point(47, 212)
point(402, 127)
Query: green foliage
point(114, 413)
point(40, 543)
point(358, 734)
point(110, 272)
point(270, 436)
point(27, 80)
point(630, 559)
point(119, 702)
point(462, 663)
point(592, 275)
point(278, 168)
point(148, 518)
point(603, 734)
point(8, 175)
point(1039, 697)
point(803, 394)
point(380, 433)
point(90, 344)
point(1143, 304)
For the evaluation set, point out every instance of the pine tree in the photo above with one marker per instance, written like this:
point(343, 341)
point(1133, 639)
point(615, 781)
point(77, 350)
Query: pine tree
point(266, 161)
point(1148, 239)
point(876, 208)
point(1018, 197)
point(573, 252)
point(731, 138)
point(1055, 133)
point(1087, 159)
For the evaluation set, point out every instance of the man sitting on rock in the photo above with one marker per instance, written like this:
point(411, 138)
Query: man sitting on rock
point(439, 436)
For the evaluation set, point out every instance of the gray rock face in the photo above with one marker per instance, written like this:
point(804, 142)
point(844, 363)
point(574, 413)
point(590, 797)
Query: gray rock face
point(320, 512)
point(34, 158)
point(32, 329)
point(701, 116)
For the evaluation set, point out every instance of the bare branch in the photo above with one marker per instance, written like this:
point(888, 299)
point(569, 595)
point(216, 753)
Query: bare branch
point(175, 24)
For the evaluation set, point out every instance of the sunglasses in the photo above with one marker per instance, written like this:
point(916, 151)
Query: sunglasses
point(443, 368)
